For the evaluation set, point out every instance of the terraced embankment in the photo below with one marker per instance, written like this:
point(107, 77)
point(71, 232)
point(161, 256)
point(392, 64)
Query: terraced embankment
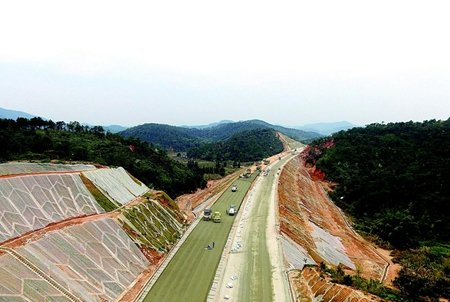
point(28, 203)
point(189, 274)
point(95, 260)
point(317, 231)
point(116, 184)
point(19, 168)
point(151, 225)
point(58, 244)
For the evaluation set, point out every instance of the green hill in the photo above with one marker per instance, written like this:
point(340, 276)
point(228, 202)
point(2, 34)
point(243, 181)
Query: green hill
point(245, 146)
point(42, 140)
point(182, 139)
point(166, 136)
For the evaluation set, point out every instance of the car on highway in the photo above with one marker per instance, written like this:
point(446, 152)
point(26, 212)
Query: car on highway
point(232, 210)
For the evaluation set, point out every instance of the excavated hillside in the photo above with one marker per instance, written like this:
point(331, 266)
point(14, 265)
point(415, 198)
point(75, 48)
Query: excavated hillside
point(315, 230)
point(311, 286)
point(78, 233)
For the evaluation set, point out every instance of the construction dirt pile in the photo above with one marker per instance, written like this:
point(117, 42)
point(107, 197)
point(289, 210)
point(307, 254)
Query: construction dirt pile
point(310, 218)
point(311, 286)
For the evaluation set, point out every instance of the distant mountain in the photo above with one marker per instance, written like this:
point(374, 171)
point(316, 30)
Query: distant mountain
point(13, 114)
point(182, 139)
point(114, 128)
point(327, 128)
point(166, 136)
point(209, 125)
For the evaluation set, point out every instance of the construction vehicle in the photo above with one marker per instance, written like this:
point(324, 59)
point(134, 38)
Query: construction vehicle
point(231, 210)
point(234, 188)
point(216, 217)
point(207, 213)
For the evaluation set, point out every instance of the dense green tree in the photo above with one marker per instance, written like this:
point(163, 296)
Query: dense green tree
point(244, 146)
point(394, 180)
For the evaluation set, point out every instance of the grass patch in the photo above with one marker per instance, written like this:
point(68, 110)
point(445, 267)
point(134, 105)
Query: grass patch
point(152, 225)
point(101, 199)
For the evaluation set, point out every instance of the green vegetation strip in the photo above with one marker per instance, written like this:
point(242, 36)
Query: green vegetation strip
point(189, 275)
point(102, 200)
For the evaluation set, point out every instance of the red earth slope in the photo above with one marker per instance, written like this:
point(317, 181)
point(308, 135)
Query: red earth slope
point(305, 207)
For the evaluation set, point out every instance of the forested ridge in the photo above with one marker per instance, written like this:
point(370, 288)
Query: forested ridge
point(394, 180)
point(42, 140)
point(183, 139)
point(244, 146)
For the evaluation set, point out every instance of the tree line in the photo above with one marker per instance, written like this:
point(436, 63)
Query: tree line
point(45, 140)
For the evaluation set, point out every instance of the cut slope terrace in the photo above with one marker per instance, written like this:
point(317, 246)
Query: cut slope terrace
point(315, 230)
point(51, 223)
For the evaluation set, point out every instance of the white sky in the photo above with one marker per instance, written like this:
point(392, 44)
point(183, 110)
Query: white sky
point(195, 62)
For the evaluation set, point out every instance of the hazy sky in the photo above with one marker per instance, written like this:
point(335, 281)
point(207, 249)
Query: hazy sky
point(195, 62)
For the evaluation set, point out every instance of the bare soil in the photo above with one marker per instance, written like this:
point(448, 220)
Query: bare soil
point(310, 286)
point(303, 199)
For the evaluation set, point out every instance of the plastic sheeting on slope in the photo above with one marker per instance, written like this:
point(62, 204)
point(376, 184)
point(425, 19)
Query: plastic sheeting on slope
point(29, 203)
point(330, 247)
point(19, 283)
point(296, 256)
point(95, 261)
point(25, 168)
point(116, 184)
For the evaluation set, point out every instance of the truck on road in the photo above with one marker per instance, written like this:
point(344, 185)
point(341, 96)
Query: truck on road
point(207, 214)
point(217, 217)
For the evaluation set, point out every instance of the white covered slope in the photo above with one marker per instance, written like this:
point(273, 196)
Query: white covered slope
point(32, 202)
point(116, 184)
point(88, 257)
